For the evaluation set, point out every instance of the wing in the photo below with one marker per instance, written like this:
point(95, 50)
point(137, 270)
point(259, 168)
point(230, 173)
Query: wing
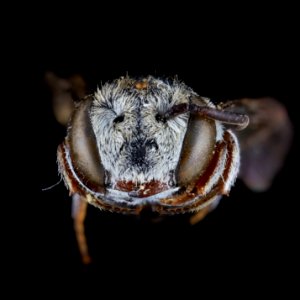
point(265, 142)
point(65, 92)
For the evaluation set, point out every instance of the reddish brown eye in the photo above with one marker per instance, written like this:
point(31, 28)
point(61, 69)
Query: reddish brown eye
point(83, 149)
point(197, 148)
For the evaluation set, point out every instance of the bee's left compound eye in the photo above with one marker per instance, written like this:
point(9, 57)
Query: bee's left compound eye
point(84, 153)
point(197, 148)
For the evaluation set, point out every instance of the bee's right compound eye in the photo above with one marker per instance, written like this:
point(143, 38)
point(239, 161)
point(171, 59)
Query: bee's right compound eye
point(84, 152)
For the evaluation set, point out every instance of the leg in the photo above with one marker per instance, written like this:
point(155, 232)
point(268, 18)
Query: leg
point(79, 208)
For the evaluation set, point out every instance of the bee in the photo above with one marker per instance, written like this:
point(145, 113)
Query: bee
point(153, 144)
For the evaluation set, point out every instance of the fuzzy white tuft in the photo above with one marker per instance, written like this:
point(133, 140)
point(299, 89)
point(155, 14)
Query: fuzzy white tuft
point(120, 143)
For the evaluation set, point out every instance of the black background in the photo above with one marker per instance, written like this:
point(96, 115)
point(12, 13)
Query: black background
point(247, 233)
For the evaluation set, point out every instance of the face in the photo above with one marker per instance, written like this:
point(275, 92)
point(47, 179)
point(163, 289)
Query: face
point(136, 143)
point(149, 142)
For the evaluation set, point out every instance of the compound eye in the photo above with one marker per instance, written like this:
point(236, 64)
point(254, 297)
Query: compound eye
point(197, 149)
point(84, 152)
